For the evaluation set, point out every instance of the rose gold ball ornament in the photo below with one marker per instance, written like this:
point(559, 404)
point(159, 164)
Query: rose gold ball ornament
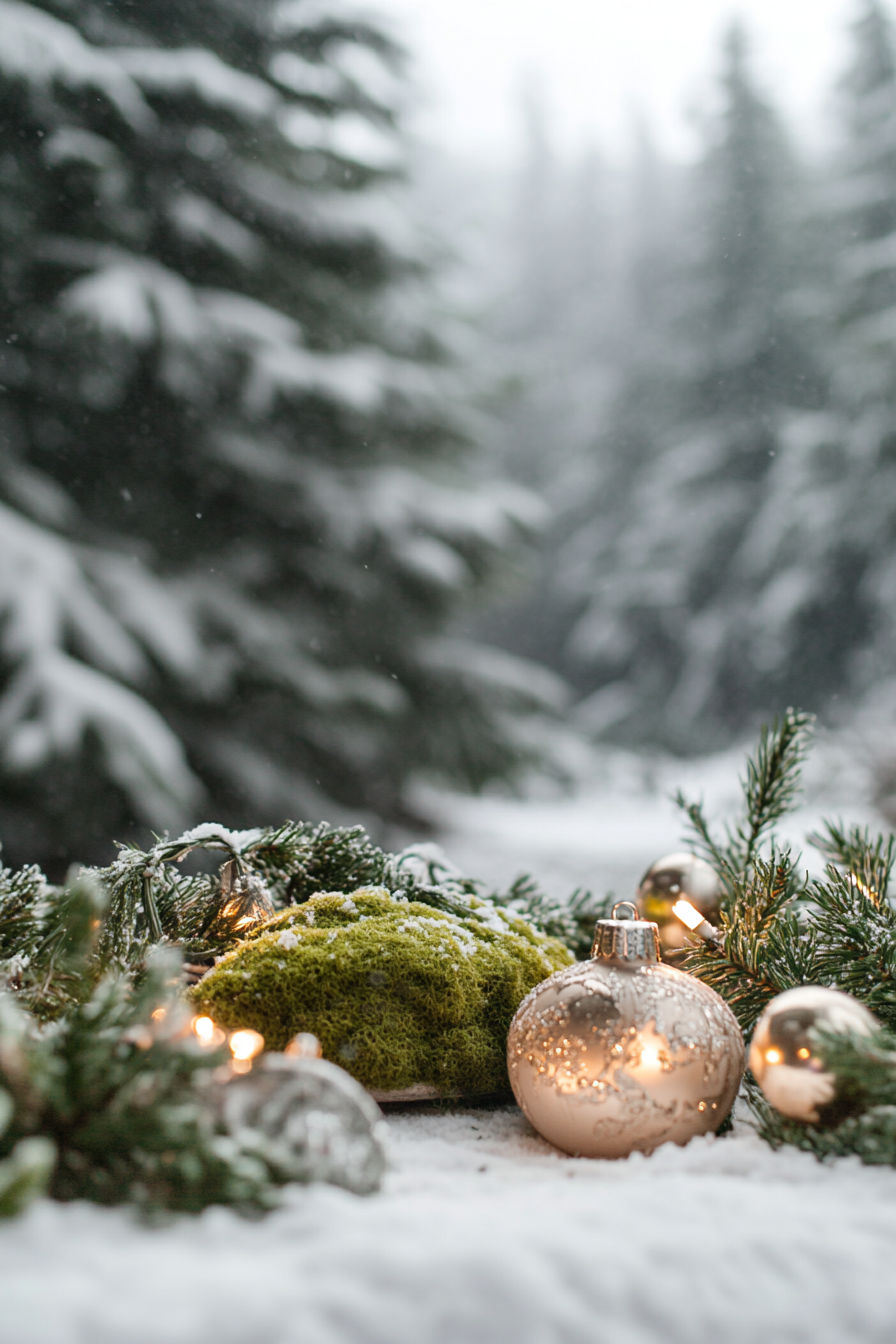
point(674, 878)
point(623, 1052)
point(783, 1054)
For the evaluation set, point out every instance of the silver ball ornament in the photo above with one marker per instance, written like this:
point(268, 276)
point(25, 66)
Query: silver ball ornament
point(673, 878)
point(306, 1117)
point(623, 1053)
point(783, 1054)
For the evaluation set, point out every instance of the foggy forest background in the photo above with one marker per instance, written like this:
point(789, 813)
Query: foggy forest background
point(329, 463)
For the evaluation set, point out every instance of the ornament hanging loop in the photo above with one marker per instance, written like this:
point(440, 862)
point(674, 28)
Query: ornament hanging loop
point(626, 905)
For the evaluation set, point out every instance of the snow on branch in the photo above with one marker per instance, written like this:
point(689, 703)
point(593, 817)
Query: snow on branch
point(146, 302)
point(42, 50)
point(201, 73)
point(137, 299)
point(46, 603)
point(514, 679)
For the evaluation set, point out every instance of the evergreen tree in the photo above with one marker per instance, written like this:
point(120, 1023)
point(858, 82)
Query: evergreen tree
point(824, 544)
point(665, 633)
point(231, 527)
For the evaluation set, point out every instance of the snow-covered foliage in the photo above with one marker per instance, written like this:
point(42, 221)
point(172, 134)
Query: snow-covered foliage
point(233, 524)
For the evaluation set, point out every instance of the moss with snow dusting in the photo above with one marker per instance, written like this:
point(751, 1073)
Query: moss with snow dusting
point(397, 992)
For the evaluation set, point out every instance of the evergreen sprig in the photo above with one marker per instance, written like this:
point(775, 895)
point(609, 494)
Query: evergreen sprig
point(106, 1103)
point(770, 786)
point(779, 930)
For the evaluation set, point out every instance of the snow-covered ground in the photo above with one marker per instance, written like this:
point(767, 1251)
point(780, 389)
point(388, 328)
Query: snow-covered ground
point(484, 1235)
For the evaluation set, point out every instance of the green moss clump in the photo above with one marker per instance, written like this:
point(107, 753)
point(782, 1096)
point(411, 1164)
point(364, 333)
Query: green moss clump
point(398, 993)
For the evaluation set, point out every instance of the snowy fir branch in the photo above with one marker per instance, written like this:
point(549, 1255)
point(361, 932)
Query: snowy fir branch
point(769, 788)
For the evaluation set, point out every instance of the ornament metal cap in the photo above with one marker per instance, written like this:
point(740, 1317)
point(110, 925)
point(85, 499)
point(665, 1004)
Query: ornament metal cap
point(632, 939)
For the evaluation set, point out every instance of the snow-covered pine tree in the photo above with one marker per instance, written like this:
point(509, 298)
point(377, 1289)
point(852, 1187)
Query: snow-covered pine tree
point(231, 525)
point(824, 543)
point(663, 636)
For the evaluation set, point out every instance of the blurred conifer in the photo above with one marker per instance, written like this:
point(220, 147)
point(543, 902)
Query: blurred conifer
point(232, 528)
point(668, 563)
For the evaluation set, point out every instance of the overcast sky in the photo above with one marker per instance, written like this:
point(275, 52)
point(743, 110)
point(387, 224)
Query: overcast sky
point(600, 61)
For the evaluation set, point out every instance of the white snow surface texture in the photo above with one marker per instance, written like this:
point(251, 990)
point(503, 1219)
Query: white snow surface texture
point(484, 1234)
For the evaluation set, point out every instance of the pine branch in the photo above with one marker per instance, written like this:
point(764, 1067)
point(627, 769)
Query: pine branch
point(106, 1104)
point(765, 947)
point(769, 788)
point(772, 779)
point(869, 861)
point(856, 936)
point(571, 921)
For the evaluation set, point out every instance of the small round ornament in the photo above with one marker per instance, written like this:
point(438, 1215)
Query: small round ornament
point(622, 1052)
point(783, 1054)
point(305, 1117)
point(674, 878)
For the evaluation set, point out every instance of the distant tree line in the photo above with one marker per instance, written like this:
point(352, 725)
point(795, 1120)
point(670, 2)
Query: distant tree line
point(716, 429)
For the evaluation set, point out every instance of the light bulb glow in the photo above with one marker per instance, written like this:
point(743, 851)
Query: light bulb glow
point(684, 911)
point(204, 1029)
point(650, 1057)
point(803, 1053)
point(773, 1056)
point(158, 1014)
point(246, 1044)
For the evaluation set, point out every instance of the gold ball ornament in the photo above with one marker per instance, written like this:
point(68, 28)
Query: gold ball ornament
point(783, 1054)
point(623, 1053)
point(674, 878)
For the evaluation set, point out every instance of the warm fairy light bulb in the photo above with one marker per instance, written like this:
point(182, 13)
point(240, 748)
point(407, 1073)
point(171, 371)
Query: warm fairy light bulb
point(650, 1057)
point(204, 1028)
point(803, 1053)
point(246, 1044)
point(687, 914)
point(773, 1056)
point(158, 1015)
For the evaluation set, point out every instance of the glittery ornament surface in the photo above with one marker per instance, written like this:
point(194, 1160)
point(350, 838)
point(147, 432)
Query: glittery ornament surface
point(607, 1057)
